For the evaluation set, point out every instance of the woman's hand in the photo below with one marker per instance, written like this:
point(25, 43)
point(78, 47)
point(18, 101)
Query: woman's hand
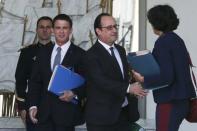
point(138, 77)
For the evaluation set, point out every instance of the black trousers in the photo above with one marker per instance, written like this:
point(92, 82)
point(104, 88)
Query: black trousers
point(30, 126)
point(121, 125)
point(50, 126)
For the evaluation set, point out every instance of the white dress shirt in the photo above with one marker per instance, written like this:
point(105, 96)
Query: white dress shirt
point(64, 49)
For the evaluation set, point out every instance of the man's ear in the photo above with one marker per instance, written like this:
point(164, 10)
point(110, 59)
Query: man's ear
point(98, 31)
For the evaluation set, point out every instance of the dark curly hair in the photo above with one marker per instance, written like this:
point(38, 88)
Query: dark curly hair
point(163, 18)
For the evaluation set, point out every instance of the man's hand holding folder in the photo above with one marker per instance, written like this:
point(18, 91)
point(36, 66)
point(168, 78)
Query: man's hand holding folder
point(63, 80)
point(68, 96)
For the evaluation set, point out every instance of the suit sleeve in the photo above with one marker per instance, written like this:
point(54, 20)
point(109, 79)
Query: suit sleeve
point(163, 56)
point(35, 84)
point(80, 69)
point(21, 76)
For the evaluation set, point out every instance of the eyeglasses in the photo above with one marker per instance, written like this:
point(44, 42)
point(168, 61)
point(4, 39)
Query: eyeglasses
point(110, 27)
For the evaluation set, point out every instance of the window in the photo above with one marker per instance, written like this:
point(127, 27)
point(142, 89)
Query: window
point(127, 16)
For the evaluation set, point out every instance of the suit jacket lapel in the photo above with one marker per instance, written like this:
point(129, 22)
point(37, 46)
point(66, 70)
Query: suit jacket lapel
point(103, 51)
point(124, 61)
point(48, 56)
point(65, 60)
point(67, 57)
point(105, 54)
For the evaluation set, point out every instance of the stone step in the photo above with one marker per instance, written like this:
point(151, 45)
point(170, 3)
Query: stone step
point(11, 124)
point(16, 124)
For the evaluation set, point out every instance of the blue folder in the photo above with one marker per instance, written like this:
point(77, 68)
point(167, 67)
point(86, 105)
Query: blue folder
point(64, 79)
point(144, 63)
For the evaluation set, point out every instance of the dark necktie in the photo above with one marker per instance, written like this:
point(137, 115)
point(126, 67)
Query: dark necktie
point(57, 59)
point(112, 53)
point(113, 56)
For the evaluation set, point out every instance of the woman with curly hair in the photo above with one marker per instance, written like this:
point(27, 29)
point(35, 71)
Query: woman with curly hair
point(171, 54)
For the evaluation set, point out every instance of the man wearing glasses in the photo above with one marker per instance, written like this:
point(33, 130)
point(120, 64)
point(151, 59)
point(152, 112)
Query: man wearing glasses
point(110, 105)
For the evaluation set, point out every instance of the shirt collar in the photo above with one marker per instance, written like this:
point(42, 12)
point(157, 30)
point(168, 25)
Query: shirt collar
point(64, 47)
point(106, 46)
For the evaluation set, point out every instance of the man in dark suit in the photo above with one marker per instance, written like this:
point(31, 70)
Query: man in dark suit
point(49, 111)
point(110, 105)
point(25, 63)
